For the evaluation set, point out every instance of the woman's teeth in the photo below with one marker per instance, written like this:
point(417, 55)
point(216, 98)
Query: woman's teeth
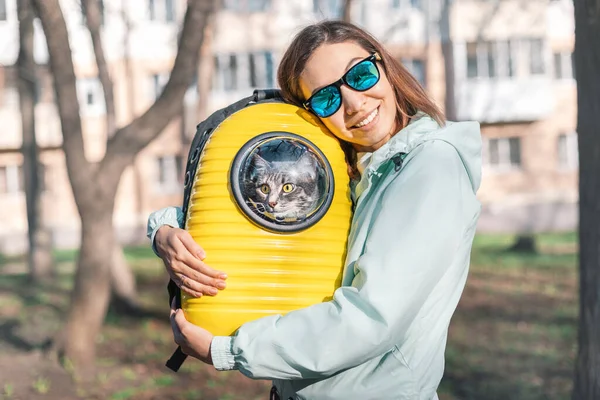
point(369, 118)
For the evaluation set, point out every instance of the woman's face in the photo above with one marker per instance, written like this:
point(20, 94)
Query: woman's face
point(365, 119)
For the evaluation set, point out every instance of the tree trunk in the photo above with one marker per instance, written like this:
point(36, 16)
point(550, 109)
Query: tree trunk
point(122, 282)
point(39, 257)
point(448, 54)
point(91, 294)
point(347, 11)
point(95, 186)
point(587, 63)
point(122, 277)
point(524, 244)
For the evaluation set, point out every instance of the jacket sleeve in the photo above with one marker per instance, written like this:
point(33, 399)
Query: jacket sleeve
point(172, 216)
point(412, 242)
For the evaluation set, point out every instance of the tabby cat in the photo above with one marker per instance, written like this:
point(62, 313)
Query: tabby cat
point(284, 191)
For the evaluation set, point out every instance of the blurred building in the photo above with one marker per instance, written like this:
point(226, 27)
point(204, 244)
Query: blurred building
point(511, 65)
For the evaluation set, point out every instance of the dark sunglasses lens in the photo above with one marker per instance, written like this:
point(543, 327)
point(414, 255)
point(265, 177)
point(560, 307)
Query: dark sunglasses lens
point(363, 76)
point(326, 101)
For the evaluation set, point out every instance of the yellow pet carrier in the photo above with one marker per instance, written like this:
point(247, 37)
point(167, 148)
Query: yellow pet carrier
point(267, 196)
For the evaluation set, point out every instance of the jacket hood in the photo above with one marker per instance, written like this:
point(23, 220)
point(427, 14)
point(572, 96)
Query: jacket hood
point(465, 137)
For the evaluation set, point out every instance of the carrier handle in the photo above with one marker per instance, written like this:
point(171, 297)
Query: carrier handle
point(267, 94)
point(178, 357)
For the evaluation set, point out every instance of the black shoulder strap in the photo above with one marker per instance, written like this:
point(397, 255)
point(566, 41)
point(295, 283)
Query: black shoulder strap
point(203, 132)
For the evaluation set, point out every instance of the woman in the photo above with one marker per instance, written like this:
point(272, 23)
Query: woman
point(384, 333)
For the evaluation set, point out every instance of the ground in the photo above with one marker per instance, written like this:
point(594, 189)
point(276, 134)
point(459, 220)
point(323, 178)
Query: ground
point(512, 337)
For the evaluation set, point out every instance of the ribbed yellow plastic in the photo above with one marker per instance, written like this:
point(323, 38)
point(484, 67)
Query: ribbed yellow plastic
point(268, 273)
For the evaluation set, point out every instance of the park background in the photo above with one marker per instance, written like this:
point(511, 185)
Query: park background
point(505, 63)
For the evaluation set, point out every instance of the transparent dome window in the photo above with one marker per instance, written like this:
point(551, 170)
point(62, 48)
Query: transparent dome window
point(282, 182)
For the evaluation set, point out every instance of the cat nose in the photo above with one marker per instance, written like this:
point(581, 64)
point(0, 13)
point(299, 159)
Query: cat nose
point(272, 203)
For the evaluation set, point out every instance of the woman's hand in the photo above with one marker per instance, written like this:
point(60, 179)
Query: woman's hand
point(183, 257)
point(194, 341)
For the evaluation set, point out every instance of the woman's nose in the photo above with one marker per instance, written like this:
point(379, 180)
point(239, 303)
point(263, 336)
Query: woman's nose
point(353, 101)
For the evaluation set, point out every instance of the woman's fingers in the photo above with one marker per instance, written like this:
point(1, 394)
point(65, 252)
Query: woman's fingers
point(199, 254)
point(183, 258)
point(199, 283)
point(201, 269)
point(193, 247)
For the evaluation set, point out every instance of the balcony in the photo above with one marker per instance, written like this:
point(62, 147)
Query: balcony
point(500, 100)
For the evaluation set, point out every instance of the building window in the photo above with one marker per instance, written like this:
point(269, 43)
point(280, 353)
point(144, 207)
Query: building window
point(191, 94)
point(472, 71)
point(240, 71)
point(169, 11)
point(247, 5)
point(261, 69)
point(328, 8)
point(563, 65)
point(91, 96)
point(568, 153)
point(482, 60)
point(398, 4)
point(417, 68)
point(3, 16)
point(151, 10)
point(158, 13)
point(170, 173)
point(230, 73)
point(11, 179)
point(499, 58)
point(502, 153)
point(157, 84)
point(232, 5)
point(258, 5)
point(536, 56)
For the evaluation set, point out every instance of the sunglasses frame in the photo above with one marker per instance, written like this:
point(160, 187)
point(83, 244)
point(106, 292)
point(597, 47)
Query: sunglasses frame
point(373, 58)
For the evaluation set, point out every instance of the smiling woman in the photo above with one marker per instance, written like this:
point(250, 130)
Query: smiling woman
point(383, 333)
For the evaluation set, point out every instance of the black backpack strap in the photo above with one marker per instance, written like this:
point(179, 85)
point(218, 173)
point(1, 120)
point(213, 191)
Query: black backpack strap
point(203, 132)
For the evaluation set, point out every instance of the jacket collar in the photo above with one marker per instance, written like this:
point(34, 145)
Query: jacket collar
point(402, 142)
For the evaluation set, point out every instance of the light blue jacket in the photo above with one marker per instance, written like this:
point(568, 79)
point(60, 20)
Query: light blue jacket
point(384, 333)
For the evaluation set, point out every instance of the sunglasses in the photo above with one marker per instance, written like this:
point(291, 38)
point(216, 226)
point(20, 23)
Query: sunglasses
point(361, 77)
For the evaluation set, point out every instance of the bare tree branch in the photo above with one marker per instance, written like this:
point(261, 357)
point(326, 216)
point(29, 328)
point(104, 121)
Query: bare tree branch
point(63, 72)
point(135, 136)
point(93, 16)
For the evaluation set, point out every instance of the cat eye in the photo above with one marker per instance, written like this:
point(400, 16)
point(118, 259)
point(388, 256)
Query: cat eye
point(265, 189)
point(288, 187)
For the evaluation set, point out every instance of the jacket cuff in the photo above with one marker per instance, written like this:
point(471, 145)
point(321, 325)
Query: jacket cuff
point(220, 351)
point(172, 216)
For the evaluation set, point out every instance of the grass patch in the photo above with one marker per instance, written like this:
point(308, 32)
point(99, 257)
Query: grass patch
point(124, 394)
point(132, 253)
point(513, 335)
point(554, 251)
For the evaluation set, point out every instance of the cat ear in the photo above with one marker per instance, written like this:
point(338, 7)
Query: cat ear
point(259, 162)
point(307, 164)
point(257, 165)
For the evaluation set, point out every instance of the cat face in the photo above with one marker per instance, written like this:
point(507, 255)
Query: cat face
point(283, 189)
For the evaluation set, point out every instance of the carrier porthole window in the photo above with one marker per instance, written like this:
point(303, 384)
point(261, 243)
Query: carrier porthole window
point(282, 182)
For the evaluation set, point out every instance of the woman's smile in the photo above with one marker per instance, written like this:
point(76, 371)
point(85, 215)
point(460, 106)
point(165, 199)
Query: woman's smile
point(367, 119)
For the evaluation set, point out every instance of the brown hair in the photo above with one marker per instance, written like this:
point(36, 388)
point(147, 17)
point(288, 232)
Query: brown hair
point(410, 96)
